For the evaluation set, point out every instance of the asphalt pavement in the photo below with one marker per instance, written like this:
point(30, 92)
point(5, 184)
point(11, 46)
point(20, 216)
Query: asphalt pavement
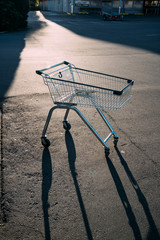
point(71, 190)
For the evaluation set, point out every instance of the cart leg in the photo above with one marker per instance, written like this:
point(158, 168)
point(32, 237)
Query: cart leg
point(110, 128)
point(48, 120)
point(66, 114)
point(45, 142)
point(66, 124)
point(107, 123)
point(107, 149)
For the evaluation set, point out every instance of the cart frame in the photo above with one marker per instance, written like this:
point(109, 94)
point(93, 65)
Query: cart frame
point(68, 104)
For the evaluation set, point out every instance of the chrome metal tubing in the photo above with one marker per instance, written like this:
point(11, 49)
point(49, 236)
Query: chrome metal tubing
point(68, 107)
point(48, 120)
point(105, 120)
point(66, 114)
point(59, 105)
point(90, 127)
point(107, 138)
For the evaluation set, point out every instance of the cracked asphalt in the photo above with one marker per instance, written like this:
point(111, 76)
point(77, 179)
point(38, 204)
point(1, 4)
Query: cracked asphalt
point(70, 190)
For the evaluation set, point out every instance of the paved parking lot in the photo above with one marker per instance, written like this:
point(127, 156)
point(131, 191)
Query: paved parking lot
point(70, 190)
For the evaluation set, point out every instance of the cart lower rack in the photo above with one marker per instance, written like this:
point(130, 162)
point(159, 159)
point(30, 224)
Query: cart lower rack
point(70, 86)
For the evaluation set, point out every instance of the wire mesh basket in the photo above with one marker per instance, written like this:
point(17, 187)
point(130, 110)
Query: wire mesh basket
point(69, 84)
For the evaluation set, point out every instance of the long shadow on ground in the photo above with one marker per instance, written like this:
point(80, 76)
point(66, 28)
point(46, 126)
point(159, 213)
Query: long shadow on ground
point(153, 232)
point(46, 185)
point(71, 159)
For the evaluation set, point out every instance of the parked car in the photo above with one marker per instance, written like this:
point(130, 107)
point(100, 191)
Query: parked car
point(109, 15)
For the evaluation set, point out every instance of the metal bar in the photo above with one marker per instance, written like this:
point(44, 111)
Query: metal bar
point(90, 127)
point(66, 114)
point(56, 65)
point(104, 74)
point(107, 122)
point(48, 120)
point(108, 137)
point(104, 118)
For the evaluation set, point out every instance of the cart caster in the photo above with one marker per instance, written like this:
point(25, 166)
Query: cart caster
point(66, 125)
point(45, 142)
point(115, 141)
point(107, 152)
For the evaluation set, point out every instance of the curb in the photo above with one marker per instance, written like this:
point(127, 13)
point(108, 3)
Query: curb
point(3, 217)
point(1, 167)
point(124, 14)
point(0, 123)
point(1, 134)
point(134, 14)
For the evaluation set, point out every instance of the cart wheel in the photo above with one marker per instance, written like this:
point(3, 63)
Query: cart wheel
point(66, 125)
point(107, 152)
point(45, 142)
point(115, 141)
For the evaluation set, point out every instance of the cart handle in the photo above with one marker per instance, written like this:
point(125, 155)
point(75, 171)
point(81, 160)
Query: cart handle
point(40, 72)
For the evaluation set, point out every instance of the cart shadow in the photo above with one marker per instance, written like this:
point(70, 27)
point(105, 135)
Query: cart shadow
point(47, 182)
point(124, 200)
point(153, 232)
point(71, 159)
point(46, 185)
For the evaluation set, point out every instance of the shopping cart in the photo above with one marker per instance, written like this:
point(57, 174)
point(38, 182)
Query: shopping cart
point(70, 86)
